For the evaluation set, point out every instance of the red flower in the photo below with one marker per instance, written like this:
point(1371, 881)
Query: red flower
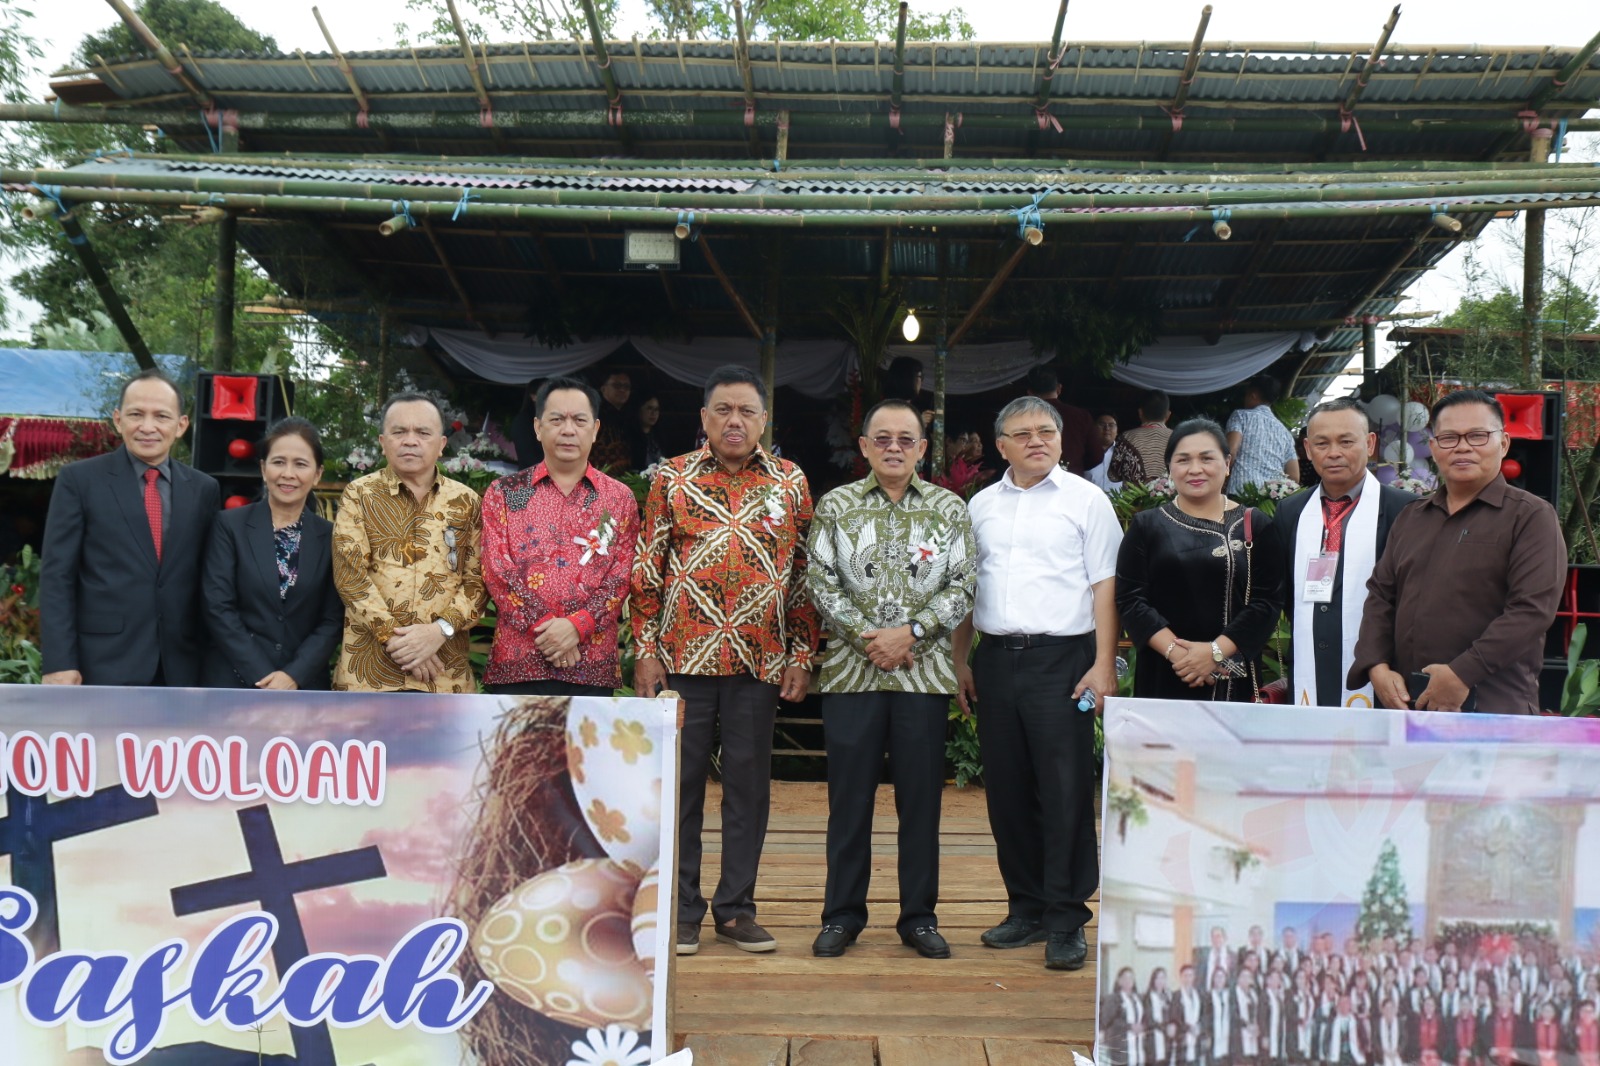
point(18, 589)
point(455, 426)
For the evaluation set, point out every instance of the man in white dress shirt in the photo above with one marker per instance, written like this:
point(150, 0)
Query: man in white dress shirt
point(1046, 609)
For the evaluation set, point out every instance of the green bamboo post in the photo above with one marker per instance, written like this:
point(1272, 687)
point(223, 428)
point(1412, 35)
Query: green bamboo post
point(1533, 272)
point(1369, 350)
point(434, 122)
point(222, 333)
point(769, 338)
point(1586, 180)
point(163, 55)
point(115, 308)
point(941, 356)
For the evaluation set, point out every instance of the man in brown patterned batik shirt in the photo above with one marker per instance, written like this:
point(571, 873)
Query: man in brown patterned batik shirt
point(407, 564)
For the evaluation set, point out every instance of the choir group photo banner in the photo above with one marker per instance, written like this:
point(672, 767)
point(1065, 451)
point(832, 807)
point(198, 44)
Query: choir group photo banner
point(1376, 888)
point(219, 878)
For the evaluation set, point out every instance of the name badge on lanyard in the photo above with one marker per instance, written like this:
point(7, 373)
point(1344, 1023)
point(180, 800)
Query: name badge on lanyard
point(1321, 569)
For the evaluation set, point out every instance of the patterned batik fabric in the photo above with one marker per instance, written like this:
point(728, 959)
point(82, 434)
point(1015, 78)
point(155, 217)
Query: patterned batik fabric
point(879, 564)
point(400, 562)
point(286, 548)
point(719, 584)
point(548, 555)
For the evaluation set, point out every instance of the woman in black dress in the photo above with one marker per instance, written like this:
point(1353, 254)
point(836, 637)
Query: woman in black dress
point(270, 602)
point(1197, 600)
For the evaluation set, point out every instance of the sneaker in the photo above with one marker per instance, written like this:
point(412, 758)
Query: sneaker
point(746, 935)
point(1066, 951)
point(832, 941)
point(1014, 932)
point(688, 938)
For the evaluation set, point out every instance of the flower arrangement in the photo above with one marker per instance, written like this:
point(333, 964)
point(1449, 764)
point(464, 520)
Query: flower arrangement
point(1279, 488)
point(1417, 486)
point(360, 460)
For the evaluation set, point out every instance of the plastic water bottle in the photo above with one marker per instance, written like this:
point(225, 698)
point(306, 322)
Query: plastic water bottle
point(1087, 701)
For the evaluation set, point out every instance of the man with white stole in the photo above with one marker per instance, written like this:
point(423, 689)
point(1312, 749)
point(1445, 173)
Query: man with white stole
point(1390, 1035)
point(1189, 1011)
point(1329, 551)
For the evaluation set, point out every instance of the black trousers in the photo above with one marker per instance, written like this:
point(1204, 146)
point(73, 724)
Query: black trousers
point(550, 688)
point(858, 728)
point(744, 708)
point(1038, 773)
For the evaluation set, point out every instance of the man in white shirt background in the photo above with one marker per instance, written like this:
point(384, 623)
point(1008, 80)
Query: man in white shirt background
point(1046, 611)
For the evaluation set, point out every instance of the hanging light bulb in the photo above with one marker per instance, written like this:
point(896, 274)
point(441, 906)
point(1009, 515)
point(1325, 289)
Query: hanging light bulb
point(911, 328)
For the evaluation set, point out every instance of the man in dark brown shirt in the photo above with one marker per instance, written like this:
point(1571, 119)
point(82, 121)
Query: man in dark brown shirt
point(1081, 446)
point(1470, 579)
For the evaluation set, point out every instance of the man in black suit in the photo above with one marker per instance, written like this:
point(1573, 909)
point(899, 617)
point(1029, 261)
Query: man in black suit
point(120, 577)
point(1338, 541)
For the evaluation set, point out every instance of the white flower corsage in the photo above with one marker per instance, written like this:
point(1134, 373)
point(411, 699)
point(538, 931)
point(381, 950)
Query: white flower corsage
point(598, 540)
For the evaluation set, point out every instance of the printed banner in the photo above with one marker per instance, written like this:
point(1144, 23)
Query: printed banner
point(221, 878)
point(1334, 888)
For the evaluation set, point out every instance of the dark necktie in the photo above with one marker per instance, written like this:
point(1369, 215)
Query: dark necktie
point(152, 507)
point(1333, 512)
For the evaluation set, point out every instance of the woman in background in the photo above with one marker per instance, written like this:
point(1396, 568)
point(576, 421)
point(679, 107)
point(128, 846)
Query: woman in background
point(647, 450)
point(270, 602)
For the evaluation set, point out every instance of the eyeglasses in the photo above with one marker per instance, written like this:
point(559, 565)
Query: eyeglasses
point(904, 442)
point(450, 544)
point(1477, 438)
point(1023, 436)
point(579, 422)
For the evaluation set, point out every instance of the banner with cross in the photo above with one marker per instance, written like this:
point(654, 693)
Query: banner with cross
point(209, 878)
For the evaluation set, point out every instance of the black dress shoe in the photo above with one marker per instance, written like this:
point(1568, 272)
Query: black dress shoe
point(832, 941)
point(1066, 951)
point(927, 941)
point(1014, 932)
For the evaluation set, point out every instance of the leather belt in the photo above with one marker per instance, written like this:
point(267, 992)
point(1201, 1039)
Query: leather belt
point(1022, 641)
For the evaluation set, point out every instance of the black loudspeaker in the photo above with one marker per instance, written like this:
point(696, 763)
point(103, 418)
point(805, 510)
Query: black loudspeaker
point(1534, 426)
point(232, 413)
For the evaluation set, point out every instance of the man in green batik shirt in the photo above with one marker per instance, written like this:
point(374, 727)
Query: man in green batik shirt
point(893, 570)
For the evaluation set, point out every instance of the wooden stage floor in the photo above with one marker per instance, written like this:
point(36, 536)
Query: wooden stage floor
point(881, 1004)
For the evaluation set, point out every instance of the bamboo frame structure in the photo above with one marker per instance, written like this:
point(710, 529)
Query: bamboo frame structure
point(1185, 80)
point(163, 55)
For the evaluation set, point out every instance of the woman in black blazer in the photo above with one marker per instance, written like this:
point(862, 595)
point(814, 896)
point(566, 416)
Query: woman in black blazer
point(274, 613)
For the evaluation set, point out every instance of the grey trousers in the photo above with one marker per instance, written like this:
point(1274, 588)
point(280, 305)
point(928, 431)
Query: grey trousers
point(744, 708)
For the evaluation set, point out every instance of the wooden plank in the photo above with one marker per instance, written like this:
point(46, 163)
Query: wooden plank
point(738, 1049)
point(813, 1051)
point(923, 1050)
point(1028, 1053)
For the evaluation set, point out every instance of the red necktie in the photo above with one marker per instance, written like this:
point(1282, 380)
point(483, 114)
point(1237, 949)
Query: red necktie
point(1333, 512)
point(152, 507)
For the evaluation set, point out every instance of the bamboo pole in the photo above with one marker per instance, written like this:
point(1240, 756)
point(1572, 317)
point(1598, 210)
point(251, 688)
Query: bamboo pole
point(897, 85)
point(469, 58)
point(1443, 194)
point(222, 332)
point(1533, 270)
point(453, 277)
point(1578, 62)
point(115, 309)
point(163, 55)
point(1190, 65)
point(989, 291)
point(512, 121)
point(1041, 96)
point(941, 355)
point(795, 217)
point(344, 64)
point(741, 57)
point(769, 337)
point(728, 289)
point(601, 56)
point(1372, 62)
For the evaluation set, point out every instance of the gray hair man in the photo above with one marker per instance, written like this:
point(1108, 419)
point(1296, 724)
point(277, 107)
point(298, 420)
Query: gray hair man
point(1046, 611)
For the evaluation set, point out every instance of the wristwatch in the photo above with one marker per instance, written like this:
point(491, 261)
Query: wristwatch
point(1216, 652)
point(918, 631)
point(450, 630)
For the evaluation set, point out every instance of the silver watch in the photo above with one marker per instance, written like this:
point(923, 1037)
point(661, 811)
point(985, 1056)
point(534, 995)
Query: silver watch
point(445, 627)
point(918, 631)
point(1216, 652)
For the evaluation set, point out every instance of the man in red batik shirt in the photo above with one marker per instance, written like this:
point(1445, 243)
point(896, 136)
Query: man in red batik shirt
point(721, 614)
point(558, 544)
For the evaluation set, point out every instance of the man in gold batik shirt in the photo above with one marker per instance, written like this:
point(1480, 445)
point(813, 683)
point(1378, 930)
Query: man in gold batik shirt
point(406, 561)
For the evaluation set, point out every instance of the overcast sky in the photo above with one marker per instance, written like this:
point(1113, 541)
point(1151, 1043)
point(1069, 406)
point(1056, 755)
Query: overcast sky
point(368, 24)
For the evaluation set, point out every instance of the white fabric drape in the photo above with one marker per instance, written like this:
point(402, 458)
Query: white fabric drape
point(1181, 366)
point(1189, 366)
point(815, 368)
point(973, 367)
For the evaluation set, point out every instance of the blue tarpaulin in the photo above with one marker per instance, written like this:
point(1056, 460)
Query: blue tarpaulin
point(57, 384)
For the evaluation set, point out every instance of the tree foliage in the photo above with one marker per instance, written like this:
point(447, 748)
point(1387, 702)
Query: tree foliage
point(1491, 350)
point(789, 20)
point(196, 23)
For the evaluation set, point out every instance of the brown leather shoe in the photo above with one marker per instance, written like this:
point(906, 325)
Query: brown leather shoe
point(688, 938)
point(746, 935)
